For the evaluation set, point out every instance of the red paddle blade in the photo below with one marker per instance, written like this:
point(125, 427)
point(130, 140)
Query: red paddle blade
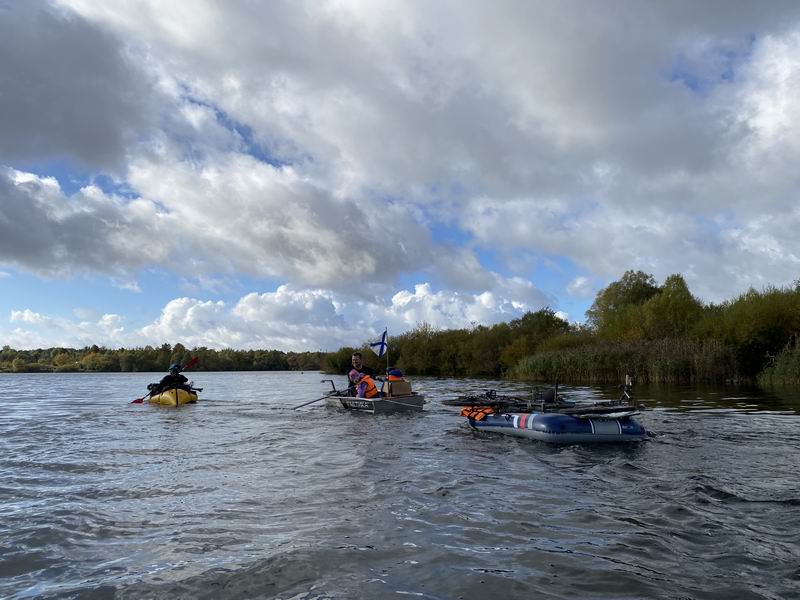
point(192, 362)
point(138, 401)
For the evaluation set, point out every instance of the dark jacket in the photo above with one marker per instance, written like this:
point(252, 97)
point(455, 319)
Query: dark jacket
point(171, 381)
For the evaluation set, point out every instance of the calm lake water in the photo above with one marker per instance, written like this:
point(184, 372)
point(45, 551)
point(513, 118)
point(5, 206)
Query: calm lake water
point(240, 497)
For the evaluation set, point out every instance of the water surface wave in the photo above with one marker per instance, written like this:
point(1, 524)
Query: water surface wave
point(238, 496)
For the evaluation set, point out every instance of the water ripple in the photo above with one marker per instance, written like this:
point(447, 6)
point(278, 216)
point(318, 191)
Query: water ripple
point(240, 497)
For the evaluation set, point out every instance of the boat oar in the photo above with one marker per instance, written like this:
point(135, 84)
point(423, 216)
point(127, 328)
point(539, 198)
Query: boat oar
point(142, 399)
point(192, 362)
point(328, 395)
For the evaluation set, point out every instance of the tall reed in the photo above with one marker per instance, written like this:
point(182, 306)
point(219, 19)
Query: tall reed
point(657, 361)
point(783, 369)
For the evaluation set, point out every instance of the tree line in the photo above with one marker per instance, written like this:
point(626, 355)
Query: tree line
point(655, 333)
point(154, 359)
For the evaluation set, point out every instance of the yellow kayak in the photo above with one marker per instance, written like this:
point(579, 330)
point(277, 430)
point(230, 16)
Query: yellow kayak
point(173, 397)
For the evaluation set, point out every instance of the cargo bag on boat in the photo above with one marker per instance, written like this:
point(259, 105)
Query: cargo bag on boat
point(396, 388)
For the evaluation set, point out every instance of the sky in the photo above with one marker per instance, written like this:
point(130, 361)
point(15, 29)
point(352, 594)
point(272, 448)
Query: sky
point(300, 175)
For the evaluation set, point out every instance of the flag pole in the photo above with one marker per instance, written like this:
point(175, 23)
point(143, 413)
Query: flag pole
point(386, 329)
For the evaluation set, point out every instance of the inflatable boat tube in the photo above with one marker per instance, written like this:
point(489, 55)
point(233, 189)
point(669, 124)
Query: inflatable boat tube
point(564, 429)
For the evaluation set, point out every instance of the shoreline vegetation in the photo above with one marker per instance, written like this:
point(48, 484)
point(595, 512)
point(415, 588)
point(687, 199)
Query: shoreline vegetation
point(655, 333)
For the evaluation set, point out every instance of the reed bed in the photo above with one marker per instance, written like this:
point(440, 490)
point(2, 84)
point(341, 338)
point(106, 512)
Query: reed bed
point(783, 369)
point(657, 361)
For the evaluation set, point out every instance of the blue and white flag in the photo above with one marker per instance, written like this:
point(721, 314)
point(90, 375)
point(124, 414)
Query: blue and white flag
point(380, 347)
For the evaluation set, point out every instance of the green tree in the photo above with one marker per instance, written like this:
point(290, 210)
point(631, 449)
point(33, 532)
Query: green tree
point(757, 324)
point(529, 332)
point(65, 361)
point(485, 346)
point(614, 306)
point(672, 312)
point(100, 361)
point(452, 359)
point(178, 354)
point(416, 350)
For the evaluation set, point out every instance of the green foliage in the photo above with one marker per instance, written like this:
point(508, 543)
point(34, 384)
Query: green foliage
point(529, 332)
point(671, 312)
point(149, 359)
point(658, 361)
point(416, 351)
point(783, 369)
point(576, 337)
point(485, 347)
point(479, 351)
point(339, 361)
point(665, 334)
point(757, 324)
point(99, 361)
point(614, 306)
point(452, 358)
point(178, 354)
point(65, 361)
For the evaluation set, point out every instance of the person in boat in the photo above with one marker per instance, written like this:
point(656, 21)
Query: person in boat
point(365, 385)
point(173, 380)
point(394, 374)
point(358, 364)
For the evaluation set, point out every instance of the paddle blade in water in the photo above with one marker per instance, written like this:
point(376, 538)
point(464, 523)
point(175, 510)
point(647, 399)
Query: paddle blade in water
point(138, 401)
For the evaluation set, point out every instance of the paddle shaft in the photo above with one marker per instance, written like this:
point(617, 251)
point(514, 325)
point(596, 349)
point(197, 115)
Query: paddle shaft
point(317, 400)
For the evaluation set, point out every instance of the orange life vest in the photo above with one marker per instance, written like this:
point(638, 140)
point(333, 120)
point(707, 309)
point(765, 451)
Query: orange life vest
point(371, 391)
point(477, 413)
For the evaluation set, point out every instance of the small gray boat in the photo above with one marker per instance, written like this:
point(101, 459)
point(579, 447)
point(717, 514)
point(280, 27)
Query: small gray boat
point(380, 405)
point(396, 396)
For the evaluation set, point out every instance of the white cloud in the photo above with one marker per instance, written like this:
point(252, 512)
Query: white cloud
point(288, 319)
point(44, 331)
point(294, 319)
point(242, 215)
point(129, 285)
point(580, 287)
point(27, 316)
point(327, 145)
point(44, 231)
